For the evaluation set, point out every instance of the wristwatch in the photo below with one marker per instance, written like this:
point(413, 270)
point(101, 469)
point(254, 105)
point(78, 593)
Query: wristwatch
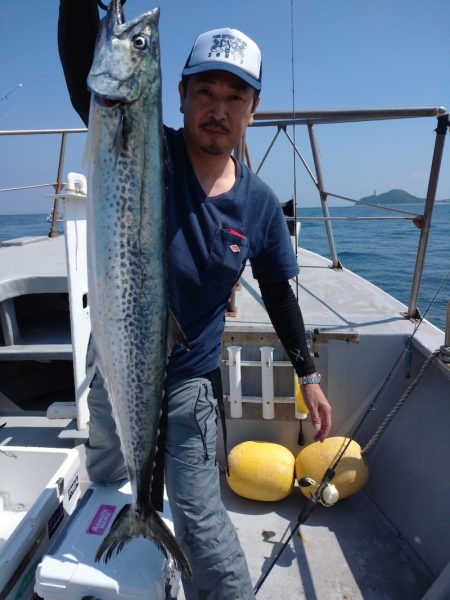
point(316, 378)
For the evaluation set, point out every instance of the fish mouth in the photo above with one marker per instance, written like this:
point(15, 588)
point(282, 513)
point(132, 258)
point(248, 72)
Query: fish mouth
point(110, 91)
point(107, 90)
point(107, 102)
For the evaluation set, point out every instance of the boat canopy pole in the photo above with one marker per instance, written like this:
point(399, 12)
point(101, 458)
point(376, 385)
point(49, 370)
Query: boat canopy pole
point(58, 186)
point(323, 197)
point(441, 130)
point(268, 150)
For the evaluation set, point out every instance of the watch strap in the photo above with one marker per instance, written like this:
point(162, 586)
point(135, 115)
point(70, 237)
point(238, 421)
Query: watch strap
point(315, 378)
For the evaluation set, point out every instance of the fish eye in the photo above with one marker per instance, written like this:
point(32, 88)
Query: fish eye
point(140, 42)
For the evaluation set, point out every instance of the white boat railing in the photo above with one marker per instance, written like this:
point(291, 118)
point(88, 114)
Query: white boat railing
point(281, 121)
point(58, 184)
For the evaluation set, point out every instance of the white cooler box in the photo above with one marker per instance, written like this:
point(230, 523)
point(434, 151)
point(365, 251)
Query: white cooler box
point(39, 489)
point(139, 572)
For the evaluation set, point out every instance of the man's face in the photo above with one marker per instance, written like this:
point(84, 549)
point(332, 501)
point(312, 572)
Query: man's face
point(217, 108)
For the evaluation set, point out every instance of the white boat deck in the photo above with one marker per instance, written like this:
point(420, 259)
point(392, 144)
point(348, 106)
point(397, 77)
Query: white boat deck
point(332, 301)
point(347, 552)
point(32, 265)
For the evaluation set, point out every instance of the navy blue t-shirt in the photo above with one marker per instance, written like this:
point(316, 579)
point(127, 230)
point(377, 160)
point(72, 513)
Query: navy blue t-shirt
point(209, 242)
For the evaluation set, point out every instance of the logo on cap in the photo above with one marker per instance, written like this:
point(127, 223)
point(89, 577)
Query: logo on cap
point(225, 45)
point(226, 50)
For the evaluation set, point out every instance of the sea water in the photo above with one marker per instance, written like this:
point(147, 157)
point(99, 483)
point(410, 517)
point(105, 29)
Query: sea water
point(17, 226)
point(382, 251)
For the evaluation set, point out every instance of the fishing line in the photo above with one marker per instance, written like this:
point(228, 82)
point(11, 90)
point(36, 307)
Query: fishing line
point(6, 96)
point(294, 154)
point(433, 299)
point(309, 505)
point(294, 198)
point(407, 346)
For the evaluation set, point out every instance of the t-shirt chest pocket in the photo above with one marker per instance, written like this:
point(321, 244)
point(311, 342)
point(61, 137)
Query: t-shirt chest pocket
point(229, 251)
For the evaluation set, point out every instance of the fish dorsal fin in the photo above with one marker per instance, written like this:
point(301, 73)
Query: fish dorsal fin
point(175, 334)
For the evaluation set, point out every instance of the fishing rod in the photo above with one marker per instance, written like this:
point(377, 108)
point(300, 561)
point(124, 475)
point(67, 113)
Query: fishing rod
point(309, 504)
point(317, 496)
point(307, 508)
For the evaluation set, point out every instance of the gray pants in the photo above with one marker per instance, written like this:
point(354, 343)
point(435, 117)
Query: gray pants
point(202, 526)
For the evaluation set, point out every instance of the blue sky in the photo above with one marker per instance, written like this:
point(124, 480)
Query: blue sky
point(347, 54)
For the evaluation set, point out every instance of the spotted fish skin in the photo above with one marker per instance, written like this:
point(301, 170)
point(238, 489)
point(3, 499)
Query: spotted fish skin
point(127, 278)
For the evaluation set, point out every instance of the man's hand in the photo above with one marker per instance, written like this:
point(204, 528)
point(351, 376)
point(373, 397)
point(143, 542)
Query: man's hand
point(319, 409)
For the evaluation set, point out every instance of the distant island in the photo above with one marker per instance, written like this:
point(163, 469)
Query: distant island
point(397, 197)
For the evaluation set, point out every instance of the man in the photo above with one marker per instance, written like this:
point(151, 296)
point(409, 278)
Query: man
point(214, 204)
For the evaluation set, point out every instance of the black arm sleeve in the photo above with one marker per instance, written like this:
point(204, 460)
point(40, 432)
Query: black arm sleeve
point(77, 33)
point(287, 319)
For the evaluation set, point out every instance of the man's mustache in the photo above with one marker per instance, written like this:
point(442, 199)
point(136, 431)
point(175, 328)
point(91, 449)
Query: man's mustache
point(212, 124)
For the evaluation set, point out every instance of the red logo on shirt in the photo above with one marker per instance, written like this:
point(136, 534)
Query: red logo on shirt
point(235, 248)
point(237, 233)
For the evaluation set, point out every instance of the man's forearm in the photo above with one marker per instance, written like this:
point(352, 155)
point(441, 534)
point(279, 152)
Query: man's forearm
point(285, 314)
point(77, 32)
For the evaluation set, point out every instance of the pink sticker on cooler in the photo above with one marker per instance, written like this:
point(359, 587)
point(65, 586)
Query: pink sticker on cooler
point(102, 517)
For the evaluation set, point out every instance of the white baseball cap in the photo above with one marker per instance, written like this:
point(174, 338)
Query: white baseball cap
point(226, 50)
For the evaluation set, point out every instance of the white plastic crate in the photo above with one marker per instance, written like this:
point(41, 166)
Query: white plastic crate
point(138, 572)
point(39, 489)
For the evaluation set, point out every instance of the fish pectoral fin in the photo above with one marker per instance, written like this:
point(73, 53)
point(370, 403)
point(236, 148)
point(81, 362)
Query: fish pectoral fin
point(175, 335)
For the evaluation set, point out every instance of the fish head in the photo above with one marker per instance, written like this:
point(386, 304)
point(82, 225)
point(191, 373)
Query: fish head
point(126, 59)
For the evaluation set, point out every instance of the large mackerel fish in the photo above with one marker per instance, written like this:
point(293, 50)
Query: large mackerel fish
point(127, 280)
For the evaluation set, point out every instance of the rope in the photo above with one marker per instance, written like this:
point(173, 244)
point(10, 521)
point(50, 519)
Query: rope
point(27, 187)
point(444, 351)
point(391, 414)
point(309, 506)
point(445, 354)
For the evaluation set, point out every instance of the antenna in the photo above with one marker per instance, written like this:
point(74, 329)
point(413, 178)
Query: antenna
point(294, 140)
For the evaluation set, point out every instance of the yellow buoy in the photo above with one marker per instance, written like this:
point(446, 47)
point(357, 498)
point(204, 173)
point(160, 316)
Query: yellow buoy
point(350, 474)
point(261, 470)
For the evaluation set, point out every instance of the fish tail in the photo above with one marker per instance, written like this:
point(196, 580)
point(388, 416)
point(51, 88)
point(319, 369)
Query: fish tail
point(130, 524)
